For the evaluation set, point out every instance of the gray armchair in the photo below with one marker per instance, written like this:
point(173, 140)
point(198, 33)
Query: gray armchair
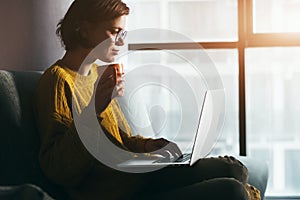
point(19, 142)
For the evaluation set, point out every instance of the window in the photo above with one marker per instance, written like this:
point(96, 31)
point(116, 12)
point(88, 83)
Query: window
point(255, 45)
point(176, 16)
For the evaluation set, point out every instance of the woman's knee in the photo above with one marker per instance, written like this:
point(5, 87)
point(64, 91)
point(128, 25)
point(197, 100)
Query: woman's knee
point(235, 168)
point(223, 167)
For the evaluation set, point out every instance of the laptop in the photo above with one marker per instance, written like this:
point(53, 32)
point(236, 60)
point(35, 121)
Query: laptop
point(209, 126)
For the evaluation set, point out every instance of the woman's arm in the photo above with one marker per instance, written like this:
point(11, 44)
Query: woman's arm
point(63, 157)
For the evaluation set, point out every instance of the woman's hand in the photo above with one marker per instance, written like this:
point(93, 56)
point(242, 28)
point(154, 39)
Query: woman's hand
point(109, 85)
point(163, 147)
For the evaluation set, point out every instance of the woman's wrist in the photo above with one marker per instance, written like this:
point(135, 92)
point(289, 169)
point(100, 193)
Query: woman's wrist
point(146, 150)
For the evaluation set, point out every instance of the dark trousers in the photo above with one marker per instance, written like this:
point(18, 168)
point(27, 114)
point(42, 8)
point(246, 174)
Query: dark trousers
point(218, 178)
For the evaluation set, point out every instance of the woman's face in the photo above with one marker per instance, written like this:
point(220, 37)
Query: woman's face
point(103, 37)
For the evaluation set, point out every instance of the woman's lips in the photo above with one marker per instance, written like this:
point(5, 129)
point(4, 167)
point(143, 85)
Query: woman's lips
point(115, 52)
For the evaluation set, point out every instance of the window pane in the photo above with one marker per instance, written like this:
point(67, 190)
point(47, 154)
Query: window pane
point(226, 62)
point(275, 16)
point(273, 114)
point(174, 110)
point(195, 19)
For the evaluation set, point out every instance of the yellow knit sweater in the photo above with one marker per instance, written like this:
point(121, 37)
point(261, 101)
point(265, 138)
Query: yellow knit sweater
point(63, 157)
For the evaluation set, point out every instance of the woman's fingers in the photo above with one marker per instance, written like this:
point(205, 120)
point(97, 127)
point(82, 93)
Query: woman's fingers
point(164, 145)
point(174, 149)
point(108, 86)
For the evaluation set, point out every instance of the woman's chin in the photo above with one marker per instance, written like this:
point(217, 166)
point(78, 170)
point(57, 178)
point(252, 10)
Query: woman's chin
point(108, 59)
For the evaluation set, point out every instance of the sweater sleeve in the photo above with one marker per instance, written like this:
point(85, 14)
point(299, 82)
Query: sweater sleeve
point(134, 143)
point(63, 157)
point(115, 122)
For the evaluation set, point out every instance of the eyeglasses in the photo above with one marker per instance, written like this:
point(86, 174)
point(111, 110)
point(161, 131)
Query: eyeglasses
point(121, 35)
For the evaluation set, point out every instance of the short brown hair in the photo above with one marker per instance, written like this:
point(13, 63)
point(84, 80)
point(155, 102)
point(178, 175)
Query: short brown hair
point(87, 10)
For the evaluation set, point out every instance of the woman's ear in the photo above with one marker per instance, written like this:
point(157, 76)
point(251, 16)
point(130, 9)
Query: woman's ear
point(84, 30)
point(84, 34)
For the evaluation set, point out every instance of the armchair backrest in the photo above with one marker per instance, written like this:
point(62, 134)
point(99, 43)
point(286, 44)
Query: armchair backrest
point(19, 137)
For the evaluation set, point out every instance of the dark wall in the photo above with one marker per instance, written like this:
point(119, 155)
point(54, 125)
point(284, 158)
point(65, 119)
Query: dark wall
point(27, 33)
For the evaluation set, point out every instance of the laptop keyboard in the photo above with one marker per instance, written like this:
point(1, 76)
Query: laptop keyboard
point(183, 158)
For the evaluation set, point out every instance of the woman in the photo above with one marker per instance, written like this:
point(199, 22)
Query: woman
point(63, 157)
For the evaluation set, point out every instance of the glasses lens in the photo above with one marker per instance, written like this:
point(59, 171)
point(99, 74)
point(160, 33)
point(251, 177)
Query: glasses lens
point(121, 35)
